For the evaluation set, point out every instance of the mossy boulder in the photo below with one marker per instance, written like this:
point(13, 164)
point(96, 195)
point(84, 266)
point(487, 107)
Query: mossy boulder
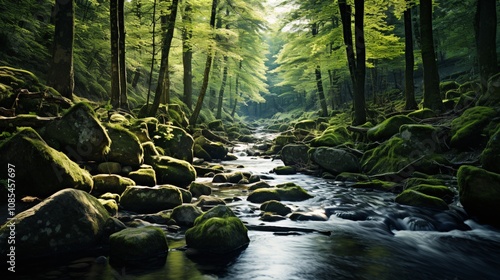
point(207, 202)
point(285, 170)
point(259, 185)
point(305, 124)
point(427, 137)
point(186, 214)
point(285, 192)
point(412, 182)
point(150, 200)
point(335, 160)
point(233, 177)
point(39, 169)
point(282, 140)
point(68, 222)
point(333, 136)
point(215, 150)
point(216, 125)
point(199, 189)
point(375, 185)
point(418, 199)
point(187, 196)
point(490, 157)
point(78, 134)
point(150, 152)
point(263, 194)
point(351, 177)
point(275, 206)
point(125, 146)
point(440, 191)
point(295, 154)
point(218, 232)
point(135, 245)
point(143, 177)
point(114, 196)
point(173, 171)
point(468, 129)
point(175, 141)
point(109, 167)
point(388, 128)
point(479, 192)
point(492, 95)
point(110, 205)
point(422, 114)
point(113, 183)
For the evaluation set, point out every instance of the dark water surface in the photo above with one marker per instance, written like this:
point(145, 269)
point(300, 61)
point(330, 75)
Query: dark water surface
point(367, 236)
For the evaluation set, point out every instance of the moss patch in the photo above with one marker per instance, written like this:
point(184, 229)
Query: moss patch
point(418, 199)
point(332, 136)
point(467, 130)
point(137, 244)
point(388, 128)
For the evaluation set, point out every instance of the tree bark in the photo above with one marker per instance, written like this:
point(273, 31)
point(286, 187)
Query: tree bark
point(486, 30)
point(359, 94)
point(61, 75)
point(221, 90)
point(237, 88)
point(319, 80)
point(409, 62)
point(121, 52)
point(206, 73)
point(152, 54)
point(432, 96)
point(115, 55)
point(187, 53)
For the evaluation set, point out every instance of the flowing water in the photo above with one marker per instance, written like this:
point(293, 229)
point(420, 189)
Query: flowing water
point(367, 236)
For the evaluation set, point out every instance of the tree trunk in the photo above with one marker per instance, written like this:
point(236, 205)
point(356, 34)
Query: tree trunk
point(115, 54)
point(359, 94)
point(206, 73)
point(410, 104)
point(187, 53)
point(321, 93)
point(121, 50)
point(221, 90)
point(237, 88)
point(345, 14)
point(432, 96)
point(486, 30)
point(137, 75)
point(152, 54)
point(61, 75)
point(163, 86)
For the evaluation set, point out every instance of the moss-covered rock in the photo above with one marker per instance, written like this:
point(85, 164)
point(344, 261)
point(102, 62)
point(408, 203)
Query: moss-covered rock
point(175, 141)
point(335, 160)
point(110, 205)
point(208, 202)
point(263, 194)
point(215, 150)
point(490, 157)
point(150, 200)
point(418, 199)
point(422, 114)
point(351, 177)
point(199, 189)
point(187, 196)
point(186, 214)
point(306, 125)
point(412, 182)
point(109, 167)
point(143, 177)
point(295, 154)
point(467, 130)
point(135, 245)
point(333, 136)
point(259, 185)
point(440, 191)
point(104, 183)
point(69, 221)
point(114, 196)
point(173, 171)
point(375, 184)
point(388, 128)
point(233, 177)
point(216, 125)
point(285, 170)
point(78, 134)
point(492, 95)
point(150, 152)
point(217, 231)
point(427, 137)
point(287, 192)
point(275, 206)
point(125, 146)
point(479, 192)
point(39, 169)
point(282, 140)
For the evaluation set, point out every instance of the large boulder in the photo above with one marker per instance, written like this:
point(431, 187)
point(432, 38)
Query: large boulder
point(144, 176)
point(173, 171)
point(199, 189)
point(175, 141)
point(388, 128)
point(218, 232)
point(286, 191)
point(479, 192)
point(125, 146)
point(335, 160)
point(136, 245)
point(215, 150)
point(418, 199)
point(40, 170)
point(104, 183)
point(490, 158)
point(78, 134)
point(295, 154)
point(186, 214)
point(468, 130)
point(332, 136)
point(150, 200)
point(69, 221)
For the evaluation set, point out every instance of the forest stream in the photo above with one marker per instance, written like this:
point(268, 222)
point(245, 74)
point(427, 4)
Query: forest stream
point(366, 236)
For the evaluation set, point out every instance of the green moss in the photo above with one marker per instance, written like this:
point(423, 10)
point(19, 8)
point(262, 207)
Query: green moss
point(111, 183)
point(467, 129)
point(137, 244)
point(375, 184)
point(125, 147)
point(264, 194)
point(332, 136)
point(292, 192)
point(412, 182)
point(275, 206)
point(351, 177)
point(440, 191)
point(282, 140)
point(110, 205)
point(422, 114)
point(143, 177)
point(418, 199)
point(490, 157)
point(388, 128)
point(285, 170)
point(174, 171)
point(306, 125)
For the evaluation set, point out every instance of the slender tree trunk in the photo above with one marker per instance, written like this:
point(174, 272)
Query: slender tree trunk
point(321, 93)
point(206, 73)
point(345, 14)
point(359, 94)
point(237, 88)
point(221, 90)
point(61, 75)
point(137, 75)
point(410, 103)
point(187, 53)
point(121, 51)
point(115, 54)
point(163, 87)
point(152, 54)
point(486, 30)
point(432, 96)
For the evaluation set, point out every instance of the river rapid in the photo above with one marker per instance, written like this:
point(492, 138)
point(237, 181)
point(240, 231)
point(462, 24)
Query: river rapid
point(367, 236)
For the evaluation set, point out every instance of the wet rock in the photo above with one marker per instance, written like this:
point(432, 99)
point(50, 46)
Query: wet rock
point(308, 216)
point(287, 192)
point(479, 192)
point(468, 129)
point(285, 170)
point(207, 202)
point(271, 217)
point(187, 196)
point(175, 141)
point(218, 232)
point(185, 215)
point(125, 146)
point(110, 205)
point(275, 206)
point(295, 154)
point(335, 160)
point(375, 184)
point(199, 189)
point(351, 177)
point(490, 157)
point(111, 183)
point(39, 169)
point(233, 177)
point(144, 177)
point(259, 185)
point(442, 192)
point(173, 171)
point(388, 128)
point(109, 168)
point(150, 200)
point(215, 150)
point(69, 221)
point(418, 199)
point(78, 134)
point(136, 245)
point(113, 196)
point(333, 136)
